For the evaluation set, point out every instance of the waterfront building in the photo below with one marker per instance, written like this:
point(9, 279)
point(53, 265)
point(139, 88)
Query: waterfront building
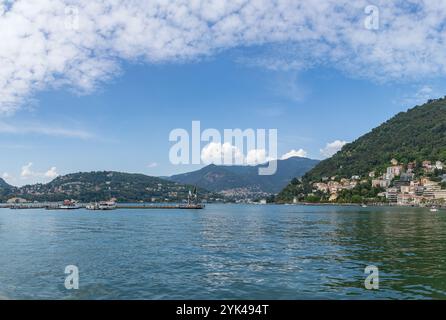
point(17, 200)
point(392, 195)
point(394, 171)
point(430, 190)
point(320, 186)
point(419, 190)
point(405, 199)
point(398, 184)
point(407, 189)
point(379, 183)
point(407, 176)
point(439, 194)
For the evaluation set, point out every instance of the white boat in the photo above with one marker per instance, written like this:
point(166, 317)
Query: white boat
point(103, 205)
point(433, 209)
point(364, 206)
point(69, 205)
point(107, 205)
point(92, 206)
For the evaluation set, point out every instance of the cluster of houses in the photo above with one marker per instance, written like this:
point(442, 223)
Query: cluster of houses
point(402, 186)
point(333, 187)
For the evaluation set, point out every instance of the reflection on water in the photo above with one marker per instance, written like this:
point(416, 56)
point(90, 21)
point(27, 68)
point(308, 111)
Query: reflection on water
point(224, 251)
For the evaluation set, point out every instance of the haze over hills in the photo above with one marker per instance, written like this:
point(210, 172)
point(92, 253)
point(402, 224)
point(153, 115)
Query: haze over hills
point(96, 186)
point(245, 181)
point(416, 135)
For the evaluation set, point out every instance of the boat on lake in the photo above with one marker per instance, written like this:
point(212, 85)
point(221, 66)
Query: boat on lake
point(103, 205)
point(107, 205)
point(69, 205)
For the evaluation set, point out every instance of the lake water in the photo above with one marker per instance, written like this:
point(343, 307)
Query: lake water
point(224, 252)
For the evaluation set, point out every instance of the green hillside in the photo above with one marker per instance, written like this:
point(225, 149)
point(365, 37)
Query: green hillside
point(416, 135)
point(4, 185)
point(95, 186)
point(5, 189)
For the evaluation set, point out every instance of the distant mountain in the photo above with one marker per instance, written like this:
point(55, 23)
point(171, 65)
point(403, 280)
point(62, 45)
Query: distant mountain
point(5, 189)
point(416, 135)
point(96, 186)
point(4, 185)
point(245, 180)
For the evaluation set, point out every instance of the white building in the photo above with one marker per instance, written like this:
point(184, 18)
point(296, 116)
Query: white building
point(17, 200)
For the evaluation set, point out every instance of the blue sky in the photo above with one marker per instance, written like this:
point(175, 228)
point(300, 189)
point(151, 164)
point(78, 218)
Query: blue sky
point(117, 114)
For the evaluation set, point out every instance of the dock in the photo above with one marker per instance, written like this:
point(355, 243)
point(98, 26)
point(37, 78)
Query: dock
point(179, 206)
point(55, 206)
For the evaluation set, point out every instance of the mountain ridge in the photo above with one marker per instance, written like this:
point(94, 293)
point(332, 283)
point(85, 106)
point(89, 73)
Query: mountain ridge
point(219, 178)
point(4, 184)
point(101, 185)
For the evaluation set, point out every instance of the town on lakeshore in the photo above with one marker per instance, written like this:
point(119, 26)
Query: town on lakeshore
point(404, 184)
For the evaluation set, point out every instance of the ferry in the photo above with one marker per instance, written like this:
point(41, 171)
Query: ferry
point(92, 206)
point(103, 205)
point(107, 205)
point(69, 205)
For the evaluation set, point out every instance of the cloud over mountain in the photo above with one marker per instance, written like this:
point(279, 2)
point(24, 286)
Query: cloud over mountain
point(332, 147)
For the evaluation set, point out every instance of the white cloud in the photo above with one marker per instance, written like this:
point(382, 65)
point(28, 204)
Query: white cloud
point(51, 173)
point(8, 178)
point(152, 165)
point(332, 147)
point(256, 156)
point(44, 46)
point(218, 153)
point(419, 96)
point(31, 128)
point(27, 172)
point(295, 153)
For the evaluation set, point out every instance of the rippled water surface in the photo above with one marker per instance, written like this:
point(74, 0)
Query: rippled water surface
point(224, 252)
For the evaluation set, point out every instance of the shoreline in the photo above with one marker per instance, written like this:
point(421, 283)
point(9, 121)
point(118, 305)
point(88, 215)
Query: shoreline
point(134, 205)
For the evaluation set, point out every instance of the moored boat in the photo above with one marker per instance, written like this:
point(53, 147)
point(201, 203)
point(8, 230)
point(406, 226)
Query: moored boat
point(107, 205)
point(69, 205)
point(103, 205)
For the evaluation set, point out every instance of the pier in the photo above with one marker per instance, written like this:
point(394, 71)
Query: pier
point(157, 206)
point(56, 206)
